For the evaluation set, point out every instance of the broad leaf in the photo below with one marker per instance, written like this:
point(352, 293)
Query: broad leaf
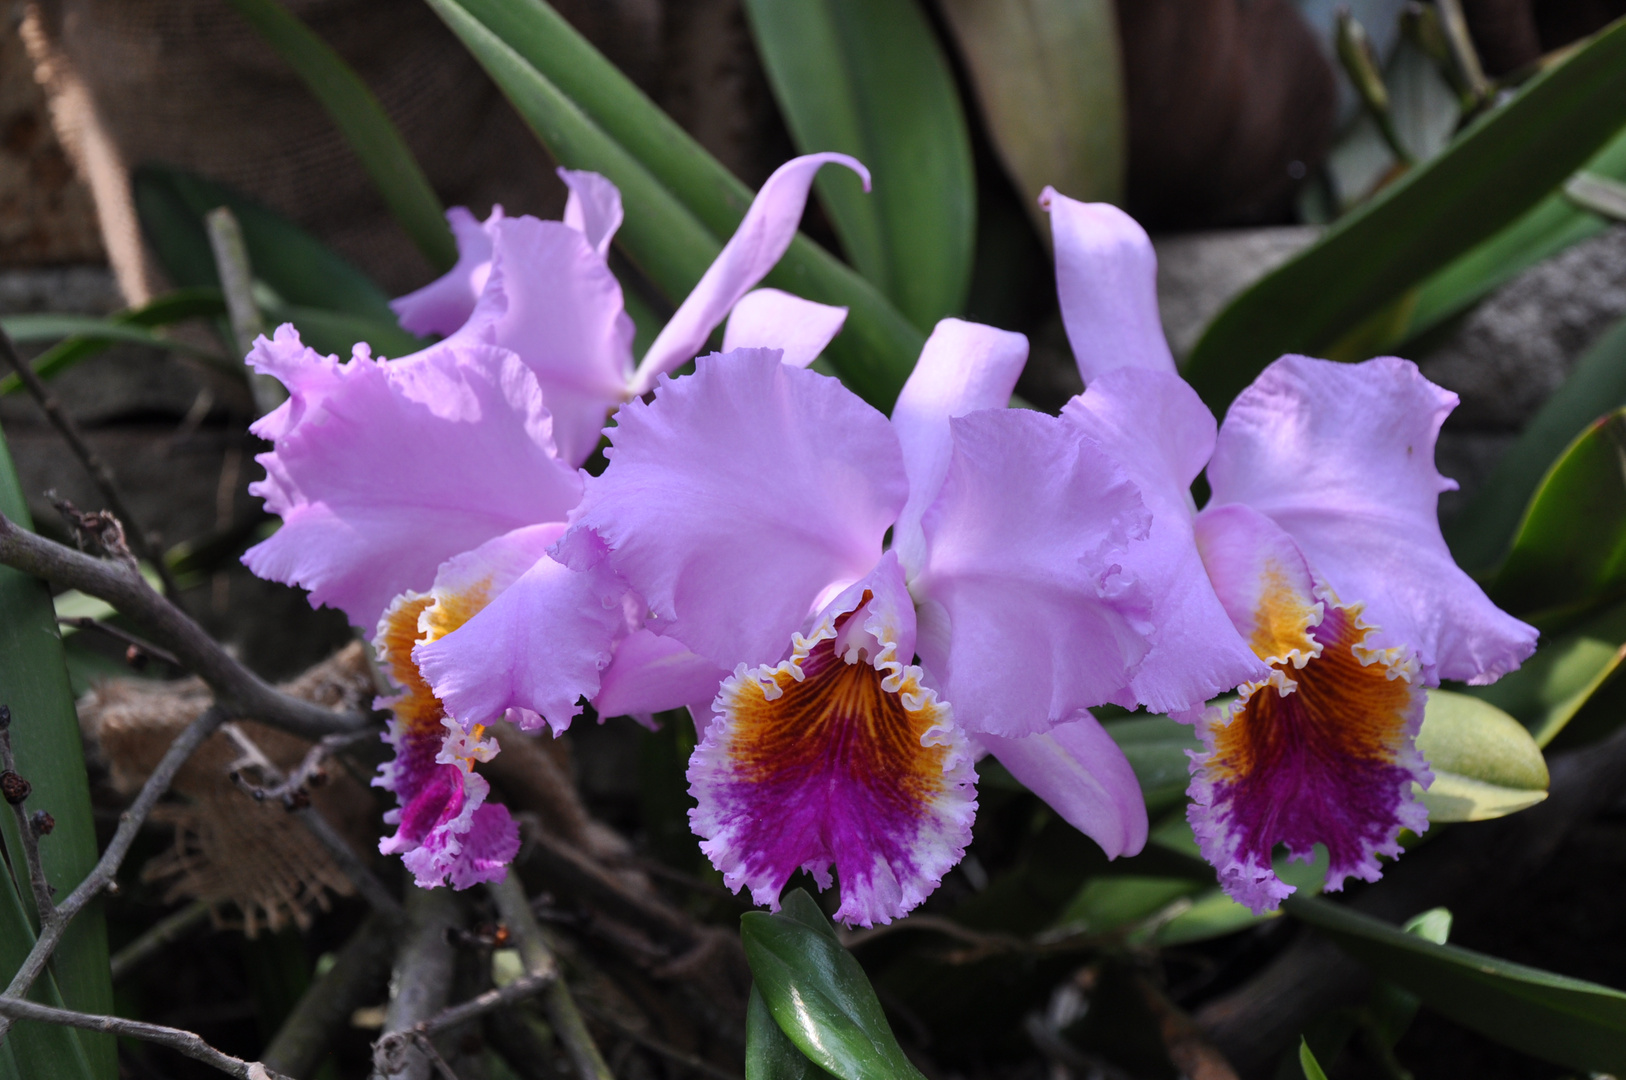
point(868, 78)
point(1485, 763)
point(1049, 82)
point(769, 1055)
point(819, 995)
point(1566, 692)
point(1500, 167)
point(1156, 748)
point(38, 328)
point(1574, 1023)
point(376, 142)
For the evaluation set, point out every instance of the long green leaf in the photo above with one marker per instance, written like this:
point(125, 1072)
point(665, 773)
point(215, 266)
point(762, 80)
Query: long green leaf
point(590, 116)
point(1570, 681)
point(45, 738)
point(1575, 1023)
point(1480, 535)
point(37, 328)
point(1307, 1062)
point(383, 153)
point(1492, 174)
point(819, 995)
point(868, 78)
point(769, 1055)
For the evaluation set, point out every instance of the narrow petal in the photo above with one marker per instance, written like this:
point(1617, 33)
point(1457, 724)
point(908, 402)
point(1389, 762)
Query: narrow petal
point(1026, 613)
point(1161, 432)
point(836, 757)
point(650, 674)
point(445, 304)
point(1082, 774)
point(1342, 457)
point(1323, 754)
point(770, 319)
point(593, 207)
point(398, 466)
point(963, 367)
point(523, 632)
point(1106, 277)
point(766, 231)
point(739, 499)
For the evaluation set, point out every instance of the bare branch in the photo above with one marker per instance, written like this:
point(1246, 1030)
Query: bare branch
point(238, 690)
point(137, 646)
point(357, 977)
point(16, 789)
point(186, 1042)
point(237, 283)
point(167, 930)
point(664, 1049)
point(518, 990)
point(92, 461)
point(419, 984)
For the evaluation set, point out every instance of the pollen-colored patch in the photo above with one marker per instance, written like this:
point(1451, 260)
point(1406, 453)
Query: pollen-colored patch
point(451, 610)
point(1322, 753)
point(828, 759)
point(1283, 618)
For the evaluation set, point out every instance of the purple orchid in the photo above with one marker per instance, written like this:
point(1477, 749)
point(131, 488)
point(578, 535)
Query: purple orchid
point(421, 495)
point(1317, 571)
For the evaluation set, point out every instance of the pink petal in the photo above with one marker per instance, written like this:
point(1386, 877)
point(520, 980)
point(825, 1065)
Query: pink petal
point(963, 367)
point(738, 498)
point(765, 232)
point(1342, 457)
point(1077, 769)
point(770, 319)
point(1155, 425)
point(1266, 587)
point(1106, 277)
point(396, 467)
point(650, 674)
point(309, 377)
point(836, 757)
point(593, 207)
point(446, 303)
point(1026, 613)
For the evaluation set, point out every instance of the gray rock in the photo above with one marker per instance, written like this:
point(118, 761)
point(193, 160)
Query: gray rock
point(1199, 273)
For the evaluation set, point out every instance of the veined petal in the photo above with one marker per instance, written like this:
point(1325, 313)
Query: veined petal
point(650, 674)
point(836, 757)
point(1266, 587)
point(1342, 457)
point(963, 367)
point(1324, 753)
point(1082, 774)
point(1161, 432)
point(593, 207)
point(446, 303)
point(512, 629)
point(765, 232)
point(1106, 278)
point(1026, 613)
point(395, 467)
point(770, 319)
point(741, 497)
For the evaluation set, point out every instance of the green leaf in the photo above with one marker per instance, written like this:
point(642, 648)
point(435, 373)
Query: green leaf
point(1480, 535)
point(37, 328)
point(819, 995)
point(1312, 1067)
point(1567, 688)
point(1156, 748)
point(1049, 82)
point(868, 78)
point(1105, 904)
point(1575, 1023)
point(1569, 553)
point(769, 1055)
point(590, 116)
point(1485, 763)
point(45, 739)
point(365, 126)
point(1212, 913)
point(1500, 167)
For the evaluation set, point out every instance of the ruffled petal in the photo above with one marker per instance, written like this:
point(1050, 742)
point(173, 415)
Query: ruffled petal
point(1106, 277)
point(534, 637)
point(963, 367)
point(1161, 432)
point(739, 500)
point(593, 207)
point(446, 303)
point(836, 757)
point(765, 232)
point(395, 467)
point(308, 376)
point(770, 319)
point(1319, 754)
point(1026, 613)
point(650, 674)
point(1342, 457)
point(1083, 775)
point(1260, 575)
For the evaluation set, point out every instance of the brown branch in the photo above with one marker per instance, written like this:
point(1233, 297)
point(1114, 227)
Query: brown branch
point(666, 1050)
point(168, 930)
point(185, 1042)
point(139, 646)
point(419, 983)
point(358, 974)
point(238, 690)
point(92, 461)
point(130, 822)
point(16, 791)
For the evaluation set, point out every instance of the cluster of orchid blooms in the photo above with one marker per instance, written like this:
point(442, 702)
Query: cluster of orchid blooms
point(855, 608)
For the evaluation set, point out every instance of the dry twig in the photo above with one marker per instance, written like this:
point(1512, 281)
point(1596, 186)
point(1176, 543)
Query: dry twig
point(16, 790)
point(166, 931)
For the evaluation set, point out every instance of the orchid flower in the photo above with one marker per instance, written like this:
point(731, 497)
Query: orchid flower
point(421, 496)
point(1319, 553)
point(749, 503)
